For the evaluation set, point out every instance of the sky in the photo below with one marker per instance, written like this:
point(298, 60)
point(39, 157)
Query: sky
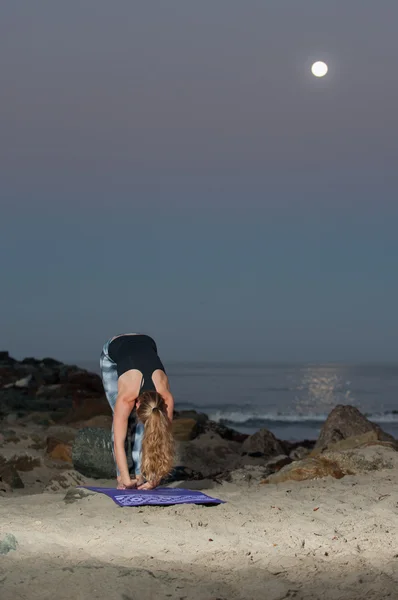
point(173, 168)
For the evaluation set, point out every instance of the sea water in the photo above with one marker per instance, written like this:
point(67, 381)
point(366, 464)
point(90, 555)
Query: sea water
point(292, 401)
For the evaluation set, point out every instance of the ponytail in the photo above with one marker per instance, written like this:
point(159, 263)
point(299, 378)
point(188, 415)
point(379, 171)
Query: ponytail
point(158, 442)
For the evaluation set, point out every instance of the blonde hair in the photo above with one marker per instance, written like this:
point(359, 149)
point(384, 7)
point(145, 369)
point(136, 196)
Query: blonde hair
point(158, 442)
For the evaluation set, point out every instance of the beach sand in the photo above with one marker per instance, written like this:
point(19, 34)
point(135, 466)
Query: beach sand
point(325, 539)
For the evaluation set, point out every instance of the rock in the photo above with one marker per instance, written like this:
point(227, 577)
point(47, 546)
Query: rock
point(88, 381)
point(101, 421)
point(201, 418)
point(68, 479)
point(245, 475)
point(24, 462)
point(299, 453)
point(186, 429)
point(63, 433)
point(10, 476)
point(345, 422)
point(351, 443)
point(84, 409)
point(208, 454)
point(309, 468)
point(55, 390)
point(8, 543)
point(24, 382)
point(182, 474)
point(337, 464)
point(6, 359)
point(4, 488)
point(277, 463)
point(225, 432)
point(73, 495)
point(92, 453)
point(263, 443)
point(50, 362)
point(59, 450)
point(12, 418)
point(365, 459)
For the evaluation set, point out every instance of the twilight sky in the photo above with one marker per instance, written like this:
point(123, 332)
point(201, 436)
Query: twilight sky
point(173, 168)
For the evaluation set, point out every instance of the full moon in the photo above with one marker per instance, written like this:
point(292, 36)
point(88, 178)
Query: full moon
point(319, 69)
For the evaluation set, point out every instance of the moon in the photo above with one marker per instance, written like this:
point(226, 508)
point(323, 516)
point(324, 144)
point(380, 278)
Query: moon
point(319, 69)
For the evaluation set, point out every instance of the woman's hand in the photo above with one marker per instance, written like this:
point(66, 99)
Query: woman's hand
point(126, 484)
point(149, 485)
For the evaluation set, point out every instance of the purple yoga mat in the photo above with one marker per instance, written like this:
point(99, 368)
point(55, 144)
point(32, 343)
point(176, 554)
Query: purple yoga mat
point(157, 497)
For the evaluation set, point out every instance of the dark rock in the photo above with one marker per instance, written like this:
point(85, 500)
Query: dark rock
point(101, 421)
point(11, 477)
point(225, 432)
point(183, 474)
point(92, 453)
point(24, 462)
point(208, 454)
point(199, 417)
point(186, 429)
point(50, 362)
point(299, 453)
point(6, 359)
point(263, 442)
point(34, 362)
point(84, 409)
point(88, 381)
point(277, 463)
point(8, 543)
point(345, 422)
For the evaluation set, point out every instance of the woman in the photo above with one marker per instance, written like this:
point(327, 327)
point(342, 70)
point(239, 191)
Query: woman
point(134, 377)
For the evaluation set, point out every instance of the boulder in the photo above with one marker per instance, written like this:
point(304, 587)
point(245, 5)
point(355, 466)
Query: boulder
point(201, 418)
point(10, 476)
point(65, 481)
point(225, 432)
point(339, 463)
point(352, 443)
point(263, 443)
point(248, 475)
point(309, 468)
point(186, 429)
point(59, 450)
point(208, 454)
point(6, 359)
point(84, 409)
point(88, 381)
point(365, 459)
point(101, 421)
point(299, 453)
point(346, 422)
point(92, 453)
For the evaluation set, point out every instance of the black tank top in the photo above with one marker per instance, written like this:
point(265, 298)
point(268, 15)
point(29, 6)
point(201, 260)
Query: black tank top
point(136, 352)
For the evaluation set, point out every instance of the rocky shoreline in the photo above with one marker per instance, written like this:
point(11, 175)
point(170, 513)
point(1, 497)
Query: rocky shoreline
point(304, 521)
point(55, 433)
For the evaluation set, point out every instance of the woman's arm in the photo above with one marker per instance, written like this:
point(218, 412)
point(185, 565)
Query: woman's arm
point(169, 400)
point(123, 408)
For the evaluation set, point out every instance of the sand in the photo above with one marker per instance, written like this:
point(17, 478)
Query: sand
point(329, 539)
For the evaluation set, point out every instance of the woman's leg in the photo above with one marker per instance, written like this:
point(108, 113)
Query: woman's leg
point(137, 446)
point(109, 381)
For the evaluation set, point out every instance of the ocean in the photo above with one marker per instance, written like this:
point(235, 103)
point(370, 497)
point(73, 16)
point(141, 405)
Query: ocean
point(292, 401)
